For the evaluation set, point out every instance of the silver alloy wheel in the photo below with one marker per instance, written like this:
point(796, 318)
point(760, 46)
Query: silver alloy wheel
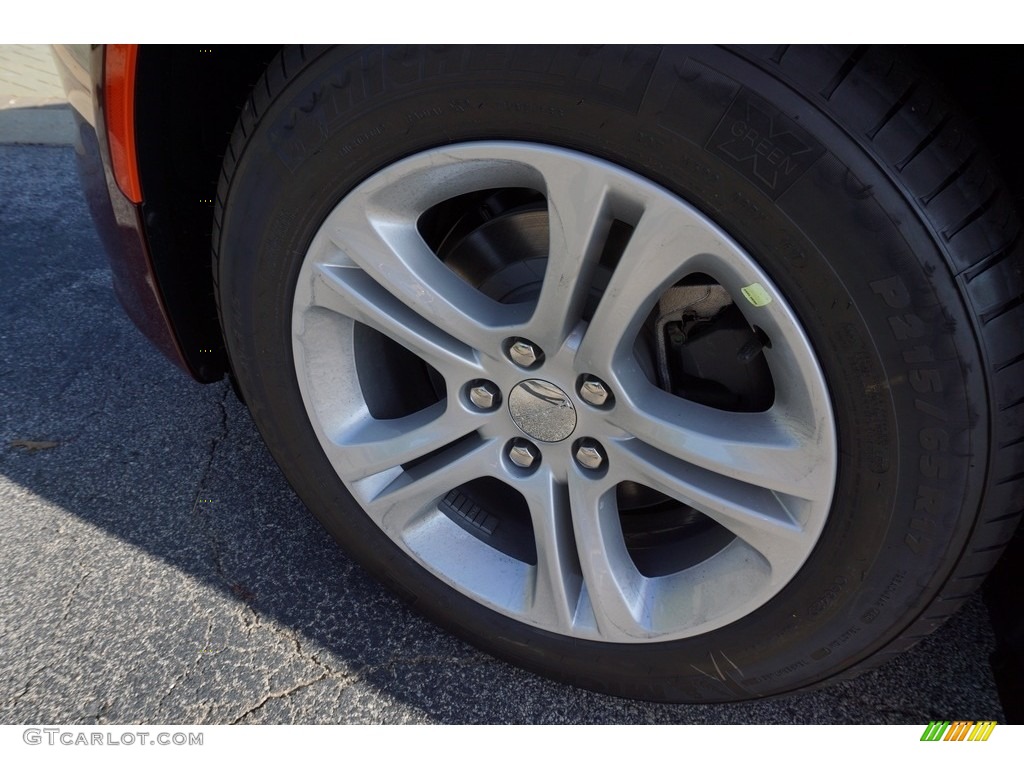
point(766, 477)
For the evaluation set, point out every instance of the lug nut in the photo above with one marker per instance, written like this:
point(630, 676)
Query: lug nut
point(523, 353)
point(589, 455)
point(594, 391)
point(484, 395)
point(522, 454)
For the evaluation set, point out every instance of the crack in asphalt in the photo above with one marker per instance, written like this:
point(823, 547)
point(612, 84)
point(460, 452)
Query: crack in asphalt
point(282, 695)
point(302, 654)
point(328, 672)
point(349, 678)
point(289, 635)
point(70, 598)
point(207, 533)
point(28, 685)
point(353, 678)
point(203, 517)
point(187, 670)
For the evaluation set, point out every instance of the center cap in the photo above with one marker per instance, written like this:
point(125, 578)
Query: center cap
point(542, 410)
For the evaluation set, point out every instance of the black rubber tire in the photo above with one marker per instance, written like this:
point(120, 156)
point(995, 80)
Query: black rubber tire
point(855, 185)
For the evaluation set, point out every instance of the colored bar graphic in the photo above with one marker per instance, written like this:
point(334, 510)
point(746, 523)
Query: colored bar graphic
point(935, 730)
point(982, 730)
point(958, 730)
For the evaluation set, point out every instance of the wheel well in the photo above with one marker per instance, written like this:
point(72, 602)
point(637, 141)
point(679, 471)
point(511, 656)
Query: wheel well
point(188, 99)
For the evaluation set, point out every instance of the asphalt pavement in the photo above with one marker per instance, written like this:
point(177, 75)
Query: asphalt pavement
point(155, 567)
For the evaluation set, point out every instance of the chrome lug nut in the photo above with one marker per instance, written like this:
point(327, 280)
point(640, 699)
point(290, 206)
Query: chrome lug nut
point(522, 454)
point(484, 395)
point(523, 353)
point(589, 455)
point(594, 391)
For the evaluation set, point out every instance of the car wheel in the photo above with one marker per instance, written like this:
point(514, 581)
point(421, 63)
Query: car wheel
point(649, 370)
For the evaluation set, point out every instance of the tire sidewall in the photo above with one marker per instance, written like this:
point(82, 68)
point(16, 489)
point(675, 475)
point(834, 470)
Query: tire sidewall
point(841, 241)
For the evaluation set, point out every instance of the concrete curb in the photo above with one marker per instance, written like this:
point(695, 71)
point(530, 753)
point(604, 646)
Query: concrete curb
point(49, 126)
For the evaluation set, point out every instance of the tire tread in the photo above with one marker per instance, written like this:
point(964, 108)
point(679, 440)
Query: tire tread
point(927, 147)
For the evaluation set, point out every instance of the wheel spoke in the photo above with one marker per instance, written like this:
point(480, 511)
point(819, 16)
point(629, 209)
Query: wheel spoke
point(579, 220)
point(557, 583)
point(386, 245)
point(615, 589)
point(658, 253)
point(756, 516)
point(350, 292)
point(766, 449)
point(375, 445)
point(421, 487)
